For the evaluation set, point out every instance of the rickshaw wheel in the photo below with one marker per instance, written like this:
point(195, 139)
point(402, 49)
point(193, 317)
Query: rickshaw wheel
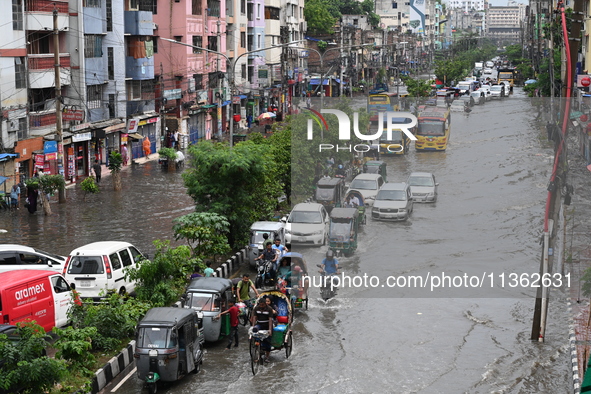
point(288, 345)
point(255, 357)
point(153, 388)
point(306, 304)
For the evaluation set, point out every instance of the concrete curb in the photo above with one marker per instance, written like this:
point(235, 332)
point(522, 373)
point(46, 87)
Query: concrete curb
point(572, 340)
point(111, 369)
point(229, 266)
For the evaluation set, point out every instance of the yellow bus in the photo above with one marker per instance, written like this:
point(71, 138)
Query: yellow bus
point(506, 75)
point(381, 102)
point(434, 126)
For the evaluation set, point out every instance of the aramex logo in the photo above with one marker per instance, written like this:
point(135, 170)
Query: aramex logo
point(29, 291)
point(345, 124)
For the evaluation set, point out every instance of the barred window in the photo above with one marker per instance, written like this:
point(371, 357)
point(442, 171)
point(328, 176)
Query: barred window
point(198, 42)
point(94, 95)
point(92, 3)
point(93, 45)
point(20, 79)
point(17, 14)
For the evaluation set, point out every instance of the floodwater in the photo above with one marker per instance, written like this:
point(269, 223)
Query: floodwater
point(487, 221)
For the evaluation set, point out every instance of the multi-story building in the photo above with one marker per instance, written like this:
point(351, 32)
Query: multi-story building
point(504, 24)
point(257, 69)
point(192, 82)
point(236, 30)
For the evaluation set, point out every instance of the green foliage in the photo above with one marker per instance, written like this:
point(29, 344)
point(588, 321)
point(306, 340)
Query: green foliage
point(417, 87)
point(205, 232)
point(237, 183)
point(373, 19)
point(89, 185)
point(25, 366)
point(319, 17)
point(114, 319)
point(322, 45)
point(382, 76)
point(161, 281)
point(74, 345)
point(169, 153)
point(115, 162)
point(48, 184)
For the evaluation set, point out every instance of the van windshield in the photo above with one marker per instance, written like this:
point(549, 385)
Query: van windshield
point(258, 236)
point(155, 338)
point(86, 265)
point(204, 302)
point(391, 195)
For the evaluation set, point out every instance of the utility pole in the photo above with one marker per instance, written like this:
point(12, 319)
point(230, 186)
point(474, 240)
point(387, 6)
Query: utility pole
point(162, 103)
point(342, 57)
point(284, 38)
point(219, 76)
point(58, 106)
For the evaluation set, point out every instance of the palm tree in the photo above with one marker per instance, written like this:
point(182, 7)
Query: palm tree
point(115, 164)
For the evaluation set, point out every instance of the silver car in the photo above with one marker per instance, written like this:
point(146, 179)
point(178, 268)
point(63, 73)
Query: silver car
point(423, 186)
point(393, 202)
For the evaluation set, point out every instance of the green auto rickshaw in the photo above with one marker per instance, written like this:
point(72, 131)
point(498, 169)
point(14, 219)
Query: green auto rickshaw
point(330, 192)
point(375, 167)
point(344, 226)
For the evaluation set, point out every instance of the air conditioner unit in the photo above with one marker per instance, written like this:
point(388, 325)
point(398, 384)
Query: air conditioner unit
point(154, 26)
point(13, 126)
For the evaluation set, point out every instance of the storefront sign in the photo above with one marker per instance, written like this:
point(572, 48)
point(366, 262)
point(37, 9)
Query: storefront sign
point(132, 125)
point(153, 120)
point(80, 127)
point(82, 137)
point(39, 160)
point(51, 156)
point(67, 141)
point(70, 115)
point(173, 94)
point(49, 147)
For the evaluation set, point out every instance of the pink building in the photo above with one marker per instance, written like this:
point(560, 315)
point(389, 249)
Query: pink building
point(191, 78)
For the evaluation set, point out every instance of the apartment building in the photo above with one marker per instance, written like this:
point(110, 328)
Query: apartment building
point(505, 24)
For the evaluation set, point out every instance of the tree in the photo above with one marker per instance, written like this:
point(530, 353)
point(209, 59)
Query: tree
point(205, 233)
point(170, 155)
point(115, 165)
point(417, 88)
point(25, 366)
point(319, 18)
point(46, 185)
point(162, 280)
point(89, 186)
point(240, 184)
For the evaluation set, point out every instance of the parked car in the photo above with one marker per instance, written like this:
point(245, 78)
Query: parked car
point(308, 224)
point(18, 257)
point(423, 187)
point(393, 202)
point(368, 185)
point(478, 97)
point(99, 267)
point(40, 295)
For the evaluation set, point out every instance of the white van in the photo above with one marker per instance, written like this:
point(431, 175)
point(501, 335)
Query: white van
point(100, 267)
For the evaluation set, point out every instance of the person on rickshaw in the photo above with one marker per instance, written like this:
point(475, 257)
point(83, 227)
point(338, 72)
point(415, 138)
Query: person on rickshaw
point(330, 265)
point(352, 201)
point(262, 319)
point(340, 172)
point(269, 302)
point(243, 290)
point(297, 282)
point(279, 248)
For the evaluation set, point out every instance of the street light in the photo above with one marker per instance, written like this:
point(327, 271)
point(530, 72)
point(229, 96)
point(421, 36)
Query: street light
point(232, 67)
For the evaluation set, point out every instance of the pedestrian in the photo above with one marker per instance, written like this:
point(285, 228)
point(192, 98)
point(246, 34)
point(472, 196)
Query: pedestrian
point(233, 311)
point(32, 200)
point(147, 147)
point(97, 171)
point(208, 271)
point(176, 139)
point(249, 121)
point(14, 195)
point(196, 273)
point(124, 154)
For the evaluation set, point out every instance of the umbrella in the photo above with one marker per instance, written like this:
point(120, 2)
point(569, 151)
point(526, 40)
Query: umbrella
point(266, 115)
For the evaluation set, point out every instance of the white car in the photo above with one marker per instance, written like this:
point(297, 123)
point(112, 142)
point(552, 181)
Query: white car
point(497, 92)
point(486, 90)
point(368, 185)
point(423, 186)
point(307, 224)
point(18, 257)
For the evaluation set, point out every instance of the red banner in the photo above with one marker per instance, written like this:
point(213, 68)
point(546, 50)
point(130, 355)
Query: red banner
point(70, 115)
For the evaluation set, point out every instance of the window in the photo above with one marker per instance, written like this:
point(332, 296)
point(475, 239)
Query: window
point(198, 81)
point(243, 7)
point(92, 3)
point(198, 42)
point(134, 90)
point(93, 46)
point(59, 284)
point(229, 8)
point(110, 64)
point(125, 258)
point(134, 5)
point(109, 15)
point(258, 11)
point(17, 14)
point(250, 39)
point(243, 71)
point(196, 8)
point(111, 106)
point(22, 129)
point(242, 39)
point(212, 43)
point(259, 41)
point(249, 11)
point(272, 13)
point(155, 41)
point(135, 254)
point(94, 95)
point(394, 4)
point(20, 79)
point(155, 7)
point(115, 261)
point(214, 7)
point(178, 38)
point(213, 80)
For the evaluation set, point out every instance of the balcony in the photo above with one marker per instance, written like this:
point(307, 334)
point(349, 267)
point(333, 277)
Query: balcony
point(42, 119)
point(139, 69)
point(39, 14)
point(41, 70)
point(139, 23)
point(47, 6)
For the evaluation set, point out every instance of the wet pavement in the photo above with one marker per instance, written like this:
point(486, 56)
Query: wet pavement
point(488, 220)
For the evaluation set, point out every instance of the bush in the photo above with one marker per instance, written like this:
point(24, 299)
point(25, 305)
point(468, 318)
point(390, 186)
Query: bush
point(169, 153)
point(74, 345)
point(89, 186)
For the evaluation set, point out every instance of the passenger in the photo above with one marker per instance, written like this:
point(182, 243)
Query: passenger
point(279, 248)
point(269, 302)
point(266, 240)
point(284, 270)
point(340, 172)
point(330, 265)
point(243, 289)
point(352, 201)
point(262, 319)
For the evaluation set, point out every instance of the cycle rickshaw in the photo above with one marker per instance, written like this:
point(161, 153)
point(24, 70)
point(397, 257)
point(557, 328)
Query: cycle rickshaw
point(295, 287)
point(344, 225)
point(361, 208)
point(281, 337)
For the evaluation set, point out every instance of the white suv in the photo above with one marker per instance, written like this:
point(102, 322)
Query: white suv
point(99, 267)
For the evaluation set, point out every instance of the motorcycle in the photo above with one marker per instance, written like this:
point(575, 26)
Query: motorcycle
point(327, 290)
point(265, 273)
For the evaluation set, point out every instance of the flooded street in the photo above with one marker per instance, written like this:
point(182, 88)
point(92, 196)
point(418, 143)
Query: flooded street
point(487, 221)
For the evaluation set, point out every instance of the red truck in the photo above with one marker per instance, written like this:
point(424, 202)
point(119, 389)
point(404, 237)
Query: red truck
point(34, 295)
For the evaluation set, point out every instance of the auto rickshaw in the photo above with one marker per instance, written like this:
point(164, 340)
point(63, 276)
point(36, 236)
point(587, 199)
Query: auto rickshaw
point(210, 296)
point(360, 208)
point(167, 346)
point(294, 284)
point(375, 167)
point(329, 192)
point(281, 338)
point(344, 225)
point(257, 229)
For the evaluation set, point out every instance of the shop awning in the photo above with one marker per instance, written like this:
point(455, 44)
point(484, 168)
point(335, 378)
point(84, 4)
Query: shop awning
point(339, 81)
point(227, 102)
point(316, 81)
point(136, 136)
point(241, 96)
point(7, 156)
point(209, 106)
point(3, 179)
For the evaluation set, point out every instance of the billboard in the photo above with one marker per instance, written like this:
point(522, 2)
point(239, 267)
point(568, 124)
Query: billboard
point(417, 16)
